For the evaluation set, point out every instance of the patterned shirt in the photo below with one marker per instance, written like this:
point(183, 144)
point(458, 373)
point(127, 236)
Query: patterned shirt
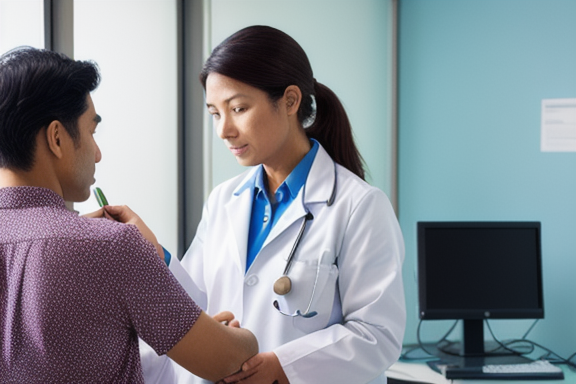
point(76, 293)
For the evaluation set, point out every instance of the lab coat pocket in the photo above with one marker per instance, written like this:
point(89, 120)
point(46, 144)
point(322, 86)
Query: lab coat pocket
point(313, 290)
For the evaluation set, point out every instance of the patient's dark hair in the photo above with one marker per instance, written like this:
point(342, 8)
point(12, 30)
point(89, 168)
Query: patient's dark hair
point(37, 87)
point(270, 60)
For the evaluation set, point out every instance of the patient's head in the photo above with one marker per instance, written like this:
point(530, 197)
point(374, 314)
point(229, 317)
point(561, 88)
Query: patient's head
point(38, 87)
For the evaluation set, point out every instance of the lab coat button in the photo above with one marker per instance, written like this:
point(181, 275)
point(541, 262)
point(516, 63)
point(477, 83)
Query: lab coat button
point(252, 280)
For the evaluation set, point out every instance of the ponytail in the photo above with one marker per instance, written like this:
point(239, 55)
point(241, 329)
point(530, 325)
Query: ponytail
point(332, 129)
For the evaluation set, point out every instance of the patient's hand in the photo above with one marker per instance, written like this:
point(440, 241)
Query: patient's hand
point(125, 215)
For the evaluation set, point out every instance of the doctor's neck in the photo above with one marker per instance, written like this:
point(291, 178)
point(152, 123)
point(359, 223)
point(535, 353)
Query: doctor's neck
point(277, 173)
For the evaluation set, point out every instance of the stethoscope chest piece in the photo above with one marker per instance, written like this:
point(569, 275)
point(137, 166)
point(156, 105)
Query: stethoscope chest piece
point(282, 285)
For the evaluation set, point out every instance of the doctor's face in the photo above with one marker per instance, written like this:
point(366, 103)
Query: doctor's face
point(256, 130)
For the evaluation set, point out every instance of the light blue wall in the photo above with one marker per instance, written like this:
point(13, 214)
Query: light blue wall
point(472, 74)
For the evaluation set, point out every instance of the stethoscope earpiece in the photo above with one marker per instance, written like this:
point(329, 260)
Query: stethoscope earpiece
point(283, 285)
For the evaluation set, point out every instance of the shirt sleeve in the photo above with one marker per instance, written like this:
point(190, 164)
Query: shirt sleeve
point(156, 306)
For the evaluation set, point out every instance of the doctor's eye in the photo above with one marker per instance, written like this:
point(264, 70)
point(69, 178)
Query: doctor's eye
point(239, 109)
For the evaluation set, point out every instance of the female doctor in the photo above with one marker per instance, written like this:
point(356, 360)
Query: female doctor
point(299, 247)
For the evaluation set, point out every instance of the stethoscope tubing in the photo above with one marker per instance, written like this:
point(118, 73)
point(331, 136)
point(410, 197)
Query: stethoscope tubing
point(308, 216)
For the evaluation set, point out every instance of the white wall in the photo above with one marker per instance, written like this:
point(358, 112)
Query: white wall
point(21, 23)
point(349, 44)
point(134, 44)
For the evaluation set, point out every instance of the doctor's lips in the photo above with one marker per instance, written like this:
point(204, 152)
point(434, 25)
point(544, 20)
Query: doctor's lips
point(238, 151)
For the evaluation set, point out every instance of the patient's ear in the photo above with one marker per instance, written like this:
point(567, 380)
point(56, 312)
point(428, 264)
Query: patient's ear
point(54, 133)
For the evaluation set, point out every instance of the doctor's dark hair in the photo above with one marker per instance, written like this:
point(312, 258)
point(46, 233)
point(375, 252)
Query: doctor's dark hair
point(38, 87)
point(270, 60)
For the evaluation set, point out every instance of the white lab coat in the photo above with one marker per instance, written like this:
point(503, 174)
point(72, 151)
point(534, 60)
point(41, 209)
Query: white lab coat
point(356, 249)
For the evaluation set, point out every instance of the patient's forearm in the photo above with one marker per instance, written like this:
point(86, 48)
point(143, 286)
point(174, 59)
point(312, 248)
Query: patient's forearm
point(212, 350)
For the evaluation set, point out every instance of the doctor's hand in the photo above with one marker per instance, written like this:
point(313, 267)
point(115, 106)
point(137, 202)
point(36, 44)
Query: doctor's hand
point(101, 213)
point(227, 318)
point(264, 368)
point(125, 215)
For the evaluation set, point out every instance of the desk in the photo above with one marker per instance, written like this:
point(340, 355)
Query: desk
point(421, 373)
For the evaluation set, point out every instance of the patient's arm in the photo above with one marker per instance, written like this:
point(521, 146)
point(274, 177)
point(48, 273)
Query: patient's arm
point(213, 350)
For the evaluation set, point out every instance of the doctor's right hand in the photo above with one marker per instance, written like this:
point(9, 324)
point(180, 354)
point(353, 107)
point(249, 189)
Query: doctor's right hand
point(261, 368)
point(125, 215)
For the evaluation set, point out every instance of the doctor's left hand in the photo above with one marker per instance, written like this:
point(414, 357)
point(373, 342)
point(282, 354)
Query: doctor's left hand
point(264, 368)
point(227, 318)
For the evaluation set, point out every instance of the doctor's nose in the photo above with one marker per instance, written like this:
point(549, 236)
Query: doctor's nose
point(225, 128)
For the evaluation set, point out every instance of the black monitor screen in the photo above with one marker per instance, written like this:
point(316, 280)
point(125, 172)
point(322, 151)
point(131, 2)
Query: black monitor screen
point(480, 270)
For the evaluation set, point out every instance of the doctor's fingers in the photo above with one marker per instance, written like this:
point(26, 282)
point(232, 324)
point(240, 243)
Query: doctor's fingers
point(96, 214)
point(264, 368)
point(234, 324)
point(123, 214)
point(236, 378)
point(249, 368)
point(225, 317)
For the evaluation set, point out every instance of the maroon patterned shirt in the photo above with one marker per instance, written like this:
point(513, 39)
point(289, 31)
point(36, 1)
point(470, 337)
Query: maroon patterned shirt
point(76, 293)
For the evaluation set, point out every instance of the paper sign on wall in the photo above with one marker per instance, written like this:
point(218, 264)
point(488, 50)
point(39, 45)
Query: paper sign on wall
point(558, 130)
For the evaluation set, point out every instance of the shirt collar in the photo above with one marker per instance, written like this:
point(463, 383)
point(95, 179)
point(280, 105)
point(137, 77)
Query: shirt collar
point(29, 197)
point(293, 182)
point(297, 177)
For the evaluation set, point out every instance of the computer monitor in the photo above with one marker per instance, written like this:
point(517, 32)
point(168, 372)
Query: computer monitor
point(479, 270)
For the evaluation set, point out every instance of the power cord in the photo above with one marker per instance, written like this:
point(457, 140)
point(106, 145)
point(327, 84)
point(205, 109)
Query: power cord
point(508, 345)
point(420, 346)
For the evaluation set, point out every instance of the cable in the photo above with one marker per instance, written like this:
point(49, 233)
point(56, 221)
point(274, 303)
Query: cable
point(420, 343)
point(569, 358)
point(556, 358)
point(420, 346)
point(507, 345)
point(530, 329)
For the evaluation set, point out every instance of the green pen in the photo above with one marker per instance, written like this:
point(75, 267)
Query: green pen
point(100, 197)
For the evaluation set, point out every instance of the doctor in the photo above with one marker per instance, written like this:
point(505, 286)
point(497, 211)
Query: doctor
point(300, 248)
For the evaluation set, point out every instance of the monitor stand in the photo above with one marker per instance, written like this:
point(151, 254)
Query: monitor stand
point(473, 351)
point(472, 339)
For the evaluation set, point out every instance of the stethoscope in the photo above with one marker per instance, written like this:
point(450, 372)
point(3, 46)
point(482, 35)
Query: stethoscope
point(283, 285)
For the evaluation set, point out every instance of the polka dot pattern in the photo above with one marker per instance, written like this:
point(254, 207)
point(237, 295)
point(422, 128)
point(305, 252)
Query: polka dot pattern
point(76, 293)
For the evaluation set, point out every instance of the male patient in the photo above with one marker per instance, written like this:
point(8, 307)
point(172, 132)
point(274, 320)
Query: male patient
point(75, 292)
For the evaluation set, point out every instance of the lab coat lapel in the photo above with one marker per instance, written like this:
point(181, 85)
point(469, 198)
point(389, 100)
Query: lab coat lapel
point(294, 212)
point(317, 189)
point(238, 210)
point(321, 179)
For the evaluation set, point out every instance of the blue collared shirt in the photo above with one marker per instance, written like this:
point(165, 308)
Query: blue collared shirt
point(266, 213)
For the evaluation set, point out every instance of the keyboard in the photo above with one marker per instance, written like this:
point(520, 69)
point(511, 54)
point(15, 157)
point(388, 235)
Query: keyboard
point(536, 370)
